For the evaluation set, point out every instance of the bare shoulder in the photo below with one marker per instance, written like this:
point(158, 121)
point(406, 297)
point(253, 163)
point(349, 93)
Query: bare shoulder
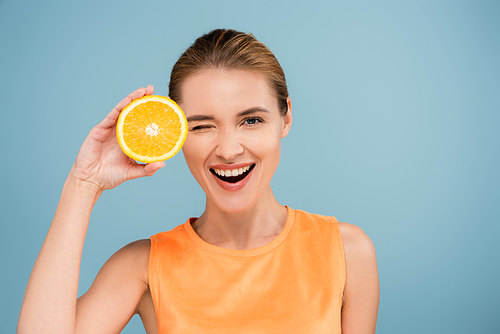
point(359, 252)
point(137, 250)
point(133, 258)
point(116, 293)
point(355, 240)
point(361, 292)
point(127, 267)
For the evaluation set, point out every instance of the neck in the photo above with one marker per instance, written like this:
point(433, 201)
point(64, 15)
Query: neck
point(253, 227)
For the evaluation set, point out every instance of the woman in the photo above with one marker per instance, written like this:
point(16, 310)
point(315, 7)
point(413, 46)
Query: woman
point(248, 264)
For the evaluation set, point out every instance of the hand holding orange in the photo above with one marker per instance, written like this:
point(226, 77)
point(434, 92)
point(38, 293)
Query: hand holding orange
point(151, 128)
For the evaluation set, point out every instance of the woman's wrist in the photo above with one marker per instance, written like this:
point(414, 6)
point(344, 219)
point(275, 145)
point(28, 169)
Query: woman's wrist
point(83, 187)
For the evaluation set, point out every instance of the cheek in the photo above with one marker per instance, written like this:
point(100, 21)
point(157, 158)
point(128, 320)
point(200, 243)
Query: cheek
point(267, 147)
point(193, 149)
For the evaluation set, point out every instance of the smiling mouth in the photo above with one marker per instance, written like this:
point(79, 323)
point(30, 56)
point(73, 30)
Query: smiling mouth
point(232, 175)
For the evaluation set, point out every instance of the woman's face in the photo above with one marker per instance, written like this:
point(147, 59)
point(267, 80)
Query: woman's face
point(234, 140)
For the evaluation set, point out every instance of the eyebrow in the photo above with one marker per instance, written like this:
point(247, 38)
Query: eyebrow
point(200, 118)
point(195, 118)
point(252, 110)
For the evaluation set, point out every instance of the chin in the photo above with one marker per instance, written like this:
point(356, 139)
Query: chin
point(233, 204)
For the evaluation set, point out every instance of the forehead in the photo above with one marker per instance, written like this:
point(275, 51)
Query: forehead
point(224, 91)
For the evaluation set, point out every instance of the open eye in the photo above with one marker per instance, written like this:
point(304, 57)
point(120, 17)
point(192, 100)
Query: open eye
point(252, 121)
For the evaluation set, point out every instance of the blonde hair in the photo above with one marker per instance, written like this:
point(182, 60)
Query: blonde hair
point(229, 49)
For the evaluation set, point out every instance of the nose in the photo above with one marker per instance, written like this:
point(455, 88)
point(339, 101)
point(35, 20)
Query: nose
point(228, 146)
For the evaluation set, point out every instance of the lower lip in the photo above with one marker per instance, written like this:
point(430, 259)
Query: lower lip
point(233, 186)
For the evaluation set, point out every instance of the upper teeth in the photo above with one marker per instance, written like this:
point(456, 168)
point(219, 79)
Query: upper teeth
point(231, 172)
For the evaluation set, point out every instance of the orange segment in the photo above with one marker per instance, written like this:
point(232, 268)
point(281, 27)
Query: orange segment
point(152, 128)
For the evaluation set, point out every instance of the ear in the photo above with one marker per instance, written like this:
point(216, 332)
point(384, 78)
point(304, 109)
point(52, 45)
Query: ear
point(287, 119)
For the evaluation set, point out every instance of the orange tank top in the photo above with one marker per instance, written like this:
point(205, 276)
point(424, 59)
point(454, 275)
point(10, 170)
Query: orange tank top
point(294, 284)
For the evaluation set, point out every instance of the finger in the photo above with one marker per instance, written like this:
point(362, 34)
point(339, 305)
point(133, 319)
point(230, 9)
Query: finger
point(150, 90)
point(112, 117)
point(141, 170)
point(137, 93)
point(132, 96)
point(153, 167)
point(123, 103)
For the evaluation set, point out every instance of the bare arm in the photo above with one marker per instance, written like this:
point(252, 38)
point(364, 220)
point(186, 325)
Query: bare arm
point(115, 294)
point(50, 301)
point(362, 292)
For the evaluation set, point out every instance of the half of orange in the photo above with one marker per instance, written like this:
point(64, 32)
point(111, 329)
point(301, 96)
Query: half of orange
point(151, 128)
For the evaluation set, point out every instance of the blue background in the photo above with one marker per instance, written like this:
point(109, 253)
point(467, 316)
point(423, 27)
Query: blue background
point(396, 117)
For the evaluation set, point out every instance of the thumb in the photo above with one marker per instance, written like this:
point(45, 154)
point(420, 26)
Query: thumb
point(141, 170)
